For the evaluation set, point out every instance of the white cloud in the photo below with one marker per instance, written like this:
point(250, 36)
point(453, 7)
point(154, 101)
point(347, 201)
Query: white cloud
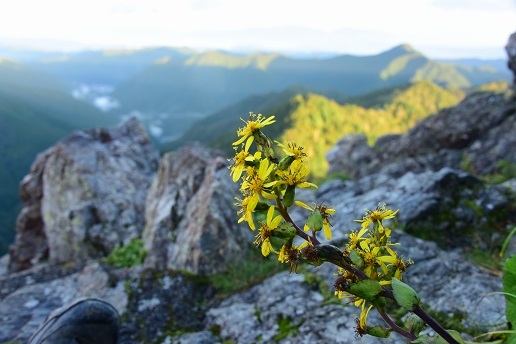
point(340, 25)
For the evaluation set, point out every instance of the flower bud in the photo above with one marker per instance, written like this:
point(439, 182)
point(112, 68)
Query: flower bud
point(404, 295)
point(378, 331)
point(315, 220)
point(286, 162)
point(414, 324)
point(365, 289)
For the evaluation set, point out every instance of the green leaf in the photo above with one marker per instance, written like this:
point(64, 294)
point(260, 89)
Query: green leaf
point(509, 286)
point(378, 331)
point(315, 220)
point(365, 289)
point(288, 199)
point(437, 339)
point(404, 295)
point(284, 231)
point(356, 259)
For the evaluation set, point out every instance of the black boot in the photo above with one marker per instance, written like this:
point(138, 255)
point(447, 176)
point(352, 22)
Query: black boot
point(89, 321)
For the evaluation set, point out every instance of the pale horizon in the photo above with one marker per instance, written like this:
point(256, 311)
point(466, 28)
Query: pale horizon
point(437, 28)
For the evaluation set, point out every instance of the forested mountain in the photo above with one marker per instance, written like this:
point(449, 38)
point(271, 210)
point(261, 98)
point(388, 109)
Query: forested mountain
point(318, 122)
point(35, 112)
point(102, 67)
point(209, 81)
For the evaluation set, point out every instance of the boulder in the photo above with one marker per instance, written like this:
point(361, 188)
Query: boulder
point(191, 220)
point(84, 196)
point(511, 51)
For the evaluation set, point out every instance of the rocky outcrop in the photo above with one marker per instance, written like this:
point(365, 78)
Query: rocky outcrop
point(511, 52)
point(478, 133)
point(301, 313)
point(191, 219)
point(84, 196)
point(449, 206)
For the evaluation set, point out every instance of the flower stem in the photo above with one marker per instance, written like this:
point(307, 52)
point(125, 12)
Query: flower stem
point(284, 213)
point(396, 328)
point(434, 325)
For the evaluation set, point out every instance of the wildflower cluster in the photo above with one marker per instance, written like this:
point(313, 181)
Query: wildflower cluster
point(268, 186)
point(369, 268)
point(370, 251)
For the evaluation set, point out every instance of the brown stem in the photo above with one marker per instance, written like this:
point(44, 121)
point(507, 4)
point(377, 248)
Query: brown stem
point(434, 325)
point(396, 328)
point(284, 212)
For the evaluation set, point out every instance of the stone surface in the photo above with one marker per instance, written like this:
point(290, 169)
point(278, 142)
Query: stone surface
point(29, 297)
point(162, 303)
point(444, 280)
point(511, 52)
point(449, 206)
point(84, 196)
point(191, 219)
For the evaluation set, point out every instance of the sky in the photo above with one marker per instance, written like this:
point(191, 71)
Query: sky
point(437, 28)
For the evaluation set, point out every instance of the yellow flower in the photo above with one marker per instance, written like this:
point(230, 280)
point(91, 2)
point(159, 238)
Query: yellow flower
point(355, 238)
point(255, 184)
point(326, 212)
point(239, 163)
point(377, 216)
point(245, 213)
point(295, 175)
point(373, 259)
point(292, 149)
point(263, 238)
point(253, 125)
point(362, 322)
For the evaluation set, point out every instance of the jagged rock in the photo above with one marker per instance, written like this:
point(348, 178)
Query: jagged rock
point(84, 196)
point(449, 206)
point(511, 51)
point(191, 219)
point(162, 303)
point(477, 133)
point(28, 297)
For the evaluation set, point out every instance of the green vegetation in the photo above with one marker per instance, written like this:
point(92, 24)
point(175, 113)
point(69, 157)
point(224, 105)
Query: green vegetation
point(317, 122)
point(287, 327)
point(246, 273)
point(128, 255)
point(509, 287)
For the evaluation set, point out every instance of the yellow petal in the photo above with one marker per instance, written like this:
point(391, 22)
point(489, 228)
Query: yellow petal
point(303, 205)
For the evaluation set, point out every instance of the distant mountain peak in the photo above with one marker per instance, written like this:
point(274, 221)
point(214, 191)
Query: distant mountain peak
point(402, 49)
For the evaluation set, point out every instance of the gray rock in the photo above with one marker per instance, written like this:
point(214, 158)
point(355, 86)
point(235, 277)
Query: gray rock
point(202, 337)
point(511, 51)
point(164, 302)
point(449, 206)
point(191, 219)
point(444, 280)
point(23, 310)
point(84, 196)
point(255, 315)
